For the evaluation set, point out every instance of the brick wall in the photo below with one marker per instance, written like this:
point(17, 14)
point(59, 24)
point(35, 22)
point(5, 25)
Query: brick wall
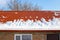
point(35, 35)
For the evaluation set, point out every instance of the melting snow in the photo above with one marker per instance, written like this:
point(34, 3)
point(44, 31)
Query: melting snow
point(31, 25)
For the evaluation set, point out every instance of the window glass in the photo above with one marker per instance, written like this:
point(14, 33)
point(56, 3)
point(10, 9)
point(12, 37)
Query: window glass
point(17, 37)
point(26, 37)
point(23, 37)
point(52, 36)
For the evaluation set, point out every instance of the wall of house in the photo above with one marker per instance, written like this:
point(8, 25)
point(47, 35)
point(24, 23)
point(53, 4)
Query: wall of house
point(35, 35)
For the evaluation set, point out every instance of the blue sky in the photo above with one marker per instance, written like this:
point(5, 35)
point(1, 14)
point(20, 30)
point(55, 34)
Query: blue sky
point(44, 4)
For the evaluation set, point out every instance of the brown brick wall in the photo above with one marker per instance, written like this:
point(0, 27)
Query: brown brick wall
point(10, 35)
point(35, 35)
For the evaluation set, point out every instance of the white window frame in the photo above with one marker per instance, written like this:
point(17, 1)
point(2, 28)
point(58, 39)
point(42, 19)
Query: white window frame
point(21, 36)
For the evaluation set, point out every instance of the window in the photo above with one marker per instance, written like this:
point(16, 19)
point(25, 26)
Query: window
point(52, 36)
point(23, 37)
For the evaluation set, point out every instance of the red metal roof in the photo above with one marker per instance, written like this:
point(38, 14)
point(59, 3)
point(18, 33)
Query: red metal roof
point(25, 15)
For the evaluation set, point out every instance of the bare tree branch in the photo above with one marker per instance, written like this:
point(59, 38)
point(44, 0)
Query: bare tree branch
point(14, 5)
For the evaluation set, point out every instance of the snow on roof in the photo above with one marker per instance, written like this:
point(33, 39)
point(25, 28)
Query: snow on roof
point(20, 24)
point(31, 25)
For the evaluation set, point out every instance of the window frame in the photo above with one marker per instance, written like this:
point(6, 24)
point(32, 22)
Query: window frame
point(21, 36)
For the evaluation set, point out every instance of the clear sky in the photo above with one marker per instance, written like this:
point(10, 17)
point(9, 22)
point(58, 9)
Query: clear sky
point(44, 4)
